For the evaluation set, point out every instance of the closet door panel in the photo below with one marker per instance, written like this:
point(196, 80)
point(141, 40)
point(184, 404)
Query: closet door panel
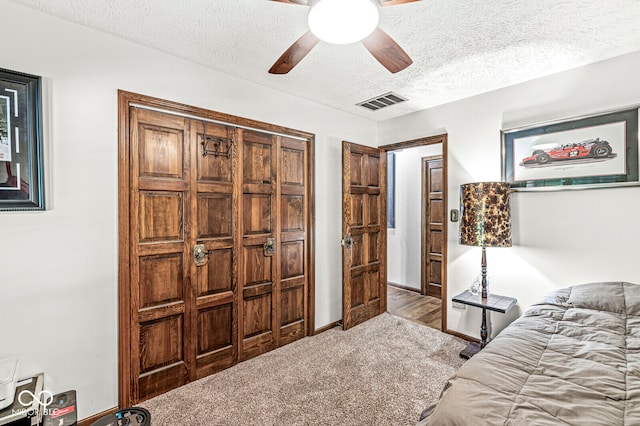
point(293, 308)
point(159, 274)
point(260, 272)
point(214, 207)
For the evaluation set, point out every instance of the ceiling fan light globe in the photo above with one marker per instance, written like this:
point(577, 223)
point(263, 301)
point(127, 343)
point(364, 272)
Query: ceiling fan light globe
point(343, 21)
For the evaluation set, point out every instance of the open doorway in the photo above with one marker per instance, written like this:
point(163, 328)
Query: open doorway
point(417, 230)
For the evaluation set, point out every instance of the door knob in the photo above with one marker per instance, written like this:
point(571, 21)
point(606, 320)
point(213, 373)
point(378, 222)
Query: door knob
point(199, 254)
point(347, 242)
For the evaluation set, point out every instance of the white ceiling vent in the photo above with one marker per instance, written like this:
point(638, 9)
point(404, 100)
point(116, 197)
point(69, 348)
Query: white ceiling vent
point(382, 101)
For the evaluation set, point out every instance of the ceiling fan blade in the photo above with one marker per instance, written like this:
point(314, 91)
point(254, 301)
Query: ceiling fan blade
point(387, 51)
point(391, 2)
point(302, 2)
point(294, 54)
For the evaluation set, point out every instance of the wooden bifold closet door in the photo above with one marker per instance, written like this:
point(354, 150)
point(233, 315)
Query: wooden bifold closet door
point(273, 292)
point(218, 268)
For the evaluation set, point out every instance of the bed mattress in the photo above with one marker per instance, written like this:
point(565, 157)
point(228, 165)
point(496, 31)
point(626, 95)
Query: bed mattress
point(572, 359)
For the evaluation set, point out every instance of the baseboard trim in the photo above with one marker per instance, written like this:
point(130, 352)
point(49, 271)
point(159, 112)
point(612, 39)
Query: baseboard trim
point(89, 420)
point(462, 336)
point(404, 287)
point(326, 327)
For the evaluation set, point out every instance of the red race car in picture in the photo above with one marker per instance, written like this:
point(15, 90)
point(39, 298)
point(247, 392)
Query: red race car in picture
point(589, 149)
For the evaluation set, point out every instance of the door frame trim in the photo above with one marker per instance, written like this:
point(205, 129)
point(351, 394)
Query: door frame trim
point(432, 140)
point(129, 99)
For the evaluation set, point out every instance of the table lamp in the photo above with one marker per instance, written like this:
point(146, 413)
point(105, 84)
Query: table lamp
point(485, 219)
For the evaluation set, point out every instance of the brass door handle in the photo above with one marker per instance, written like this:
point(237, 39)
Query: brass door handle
point(200, 254)
point(270, 247)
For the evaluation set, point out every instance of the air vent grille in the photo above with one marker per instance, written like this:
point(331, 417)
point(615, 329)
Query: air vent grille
point(382, 101)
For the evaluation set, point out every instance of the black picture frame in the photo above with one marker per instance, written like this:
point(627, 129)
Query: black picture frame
point(21, 163)
point(594, 151)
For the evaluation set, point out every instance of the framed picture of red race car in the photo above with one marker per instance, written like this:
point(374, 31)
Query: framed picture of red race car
point(584, 152)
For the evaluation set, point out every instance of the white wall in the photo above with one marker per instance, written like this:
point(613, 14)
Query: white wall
point(404, 241)
point(549, 251)
point(58, 270)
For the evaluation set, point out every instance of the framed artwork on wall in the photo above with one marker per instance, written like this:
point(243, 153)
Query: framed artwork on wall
point(21, 174)
point(584, 152)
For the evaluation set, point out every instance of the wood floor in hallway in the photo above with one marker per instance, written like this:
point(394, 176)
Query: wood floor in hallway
point(413, 306)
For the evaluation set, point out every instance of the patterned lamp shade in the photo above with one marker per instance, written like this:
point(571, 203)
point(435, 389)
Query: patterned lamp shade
point(485, 214)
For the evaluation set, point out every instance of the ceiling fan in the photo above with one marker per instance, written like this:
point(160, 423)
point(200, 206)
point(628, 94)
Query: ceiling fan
point(343, 22)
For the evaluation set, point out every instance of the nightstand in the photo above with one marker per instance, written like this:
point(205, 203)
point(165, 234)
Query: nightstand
point(494, 303)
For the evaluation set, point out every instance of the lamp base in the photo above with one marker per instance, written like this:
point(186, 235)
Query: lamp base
point(471, 349)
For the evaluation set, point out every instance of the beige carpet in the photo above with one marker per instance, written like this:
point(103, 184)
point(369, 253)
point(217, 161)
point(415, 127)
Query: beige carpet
point(382, 372)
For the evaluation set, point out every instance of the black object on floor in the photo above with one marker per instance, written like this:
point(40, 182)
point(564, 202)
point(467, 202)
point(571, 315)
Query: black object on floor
point(62, 410)
point(133, 416)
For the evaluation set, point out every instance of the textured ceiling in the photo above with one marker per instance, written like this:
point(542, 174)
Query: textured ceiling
point(460, 48)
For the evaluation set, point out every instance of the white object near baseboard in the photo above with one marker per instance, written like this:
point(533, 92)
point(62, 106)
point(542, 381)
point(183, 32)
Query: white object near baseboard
point(8, 378)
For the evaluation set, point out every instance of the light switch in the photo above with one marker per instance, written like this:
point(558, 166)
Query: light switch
point(454, 215)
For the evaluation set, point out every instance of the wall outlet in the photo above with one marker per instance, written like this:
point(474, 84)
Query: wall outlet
point(457, 305)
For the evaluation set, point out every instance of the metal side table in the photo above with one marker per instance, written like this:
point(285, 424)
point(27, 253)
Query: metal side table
point(494, 303)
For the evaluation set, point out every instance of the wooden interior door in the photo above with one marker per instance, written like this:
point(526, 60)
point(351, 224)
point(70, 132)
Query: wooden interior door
point(433, 223)
point(214, 203)
point(364, 230)
point(293, 197)
point(182, 316)
point(258, 309)
point(160, 291)
point(274, 242)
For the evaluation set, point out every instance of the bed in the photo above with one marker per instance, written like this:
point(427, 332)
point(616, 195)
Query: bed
point(572, 359)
